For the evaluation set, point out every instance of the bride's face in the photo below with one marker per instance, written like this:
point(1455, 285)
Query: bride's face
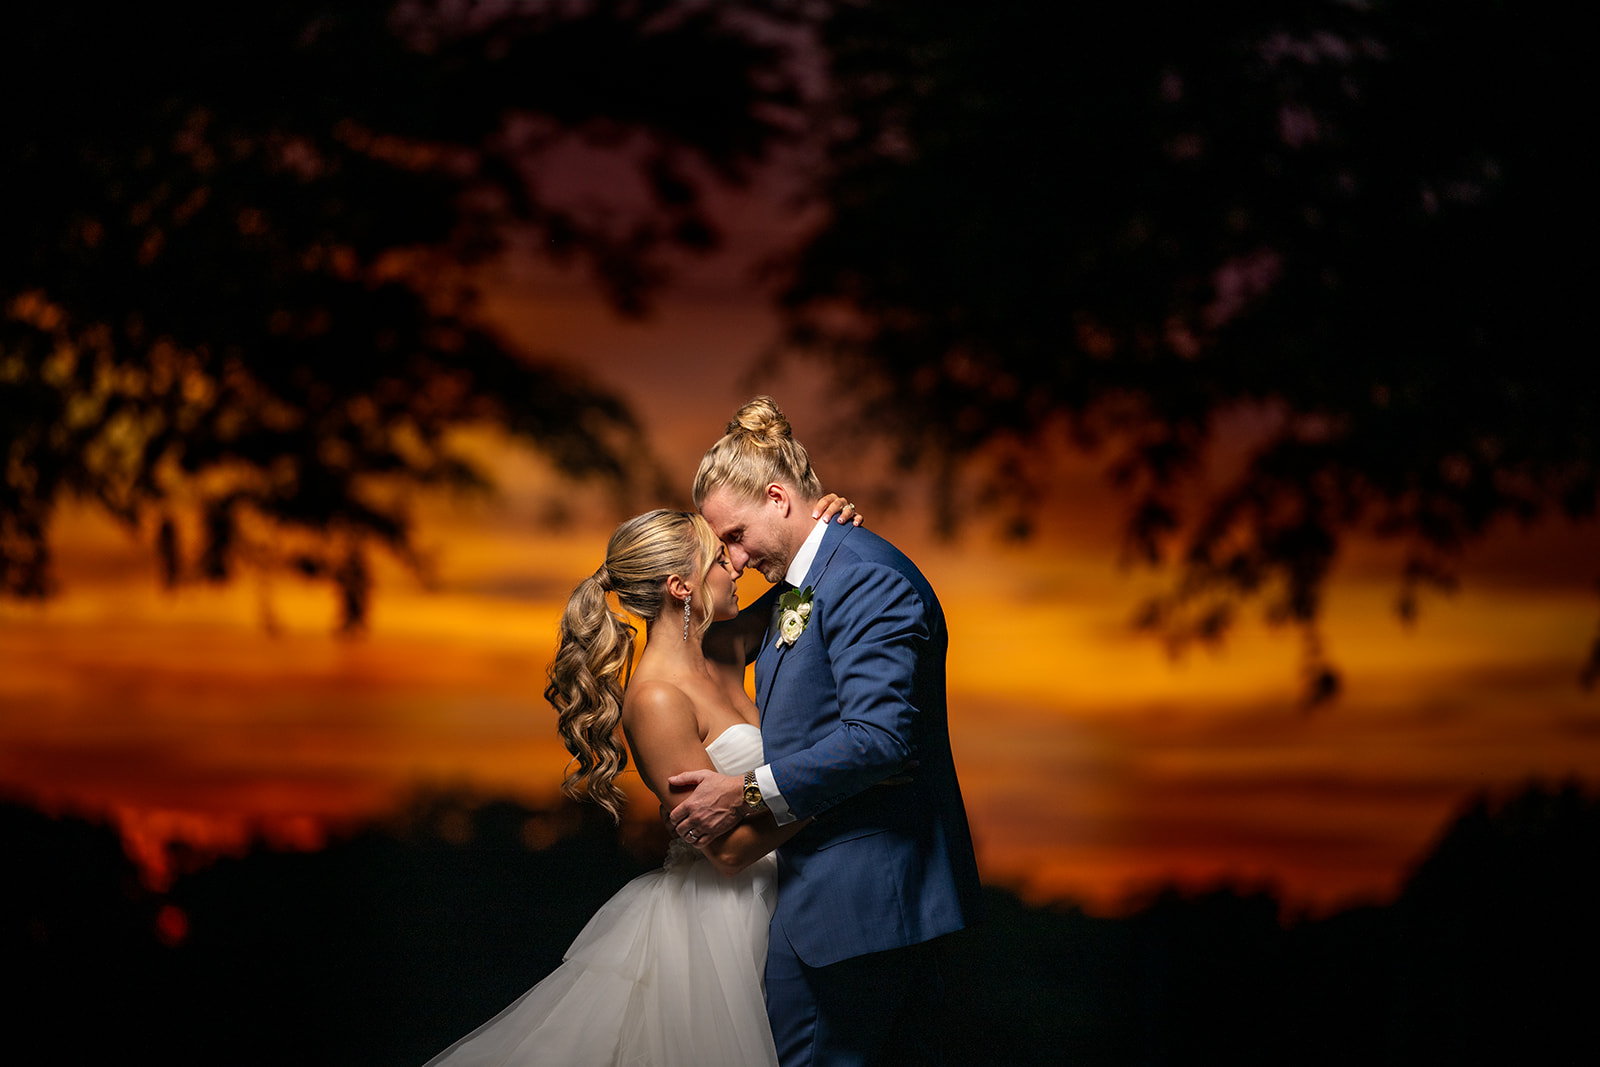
point(719, 584)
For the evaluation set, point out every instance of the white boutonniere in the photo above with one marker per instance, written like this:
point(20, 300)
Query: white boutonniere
point(794, 612)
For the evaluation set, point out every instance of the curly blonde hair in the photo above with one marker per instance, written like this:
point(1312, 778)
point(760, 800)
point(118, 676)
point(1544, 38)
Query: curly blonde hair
point(594, 657)
point(758, 449)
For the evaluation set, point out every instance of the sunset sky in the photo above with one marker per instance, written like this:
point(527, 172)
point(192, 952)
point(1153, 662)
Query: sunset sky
point(1093, 764)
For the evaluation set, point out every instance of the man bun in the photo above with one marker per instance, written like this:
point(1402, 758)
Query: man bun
point(757, 450)
point(762, 420)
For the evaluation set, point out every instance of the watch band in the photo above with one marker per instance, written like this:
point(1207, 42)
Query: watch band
point(752, 792)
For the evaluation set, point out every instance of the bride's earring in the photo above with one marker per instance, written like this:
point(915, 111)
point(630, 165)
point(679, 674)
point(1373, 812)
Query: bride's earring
point(686, 599)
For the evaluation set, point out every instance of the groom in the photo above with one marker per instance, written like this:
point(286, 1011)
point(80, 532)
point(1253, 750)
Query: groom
point(852, 691)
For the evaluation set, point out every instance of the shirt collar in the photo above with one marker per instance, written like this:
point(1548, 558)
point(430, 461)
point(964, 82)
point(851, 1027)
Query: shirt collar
point(808, 552)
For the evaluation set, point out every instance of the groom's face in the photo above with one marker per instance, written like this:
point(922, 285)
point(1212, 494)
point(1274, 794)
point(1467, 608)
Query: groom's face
point(752, 530)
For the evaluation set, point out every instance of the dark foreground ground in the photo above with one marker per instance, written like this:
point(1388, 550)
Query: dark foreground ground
point(385, 947)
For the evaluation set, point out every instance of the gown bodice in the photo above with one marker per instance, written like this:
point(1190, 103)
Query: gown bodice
point(737, 749)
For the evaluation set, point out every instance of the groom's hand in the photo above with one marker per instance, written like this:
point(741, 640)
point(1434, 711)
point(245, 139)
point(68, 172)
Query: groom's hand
point(715, 807)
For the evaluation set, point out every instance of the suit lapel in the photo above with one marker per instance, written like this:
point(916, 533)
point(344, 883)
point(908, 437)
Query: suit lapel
point(767, 666)
point(766, 671)
point(773, 651)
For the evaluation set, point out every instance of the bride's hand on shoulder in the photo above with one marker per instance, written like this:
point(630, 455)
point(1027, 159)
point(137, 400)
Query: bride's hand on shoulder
point(833, 504)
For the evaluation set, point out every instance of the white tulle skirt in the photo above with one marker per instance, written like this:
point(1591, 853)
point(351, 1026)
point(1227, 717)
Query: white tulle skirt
point(669, 971)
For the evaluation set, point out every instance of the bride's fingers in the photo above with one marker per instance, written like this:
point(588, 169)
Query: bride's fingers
point(829, 506)
point(832, 504)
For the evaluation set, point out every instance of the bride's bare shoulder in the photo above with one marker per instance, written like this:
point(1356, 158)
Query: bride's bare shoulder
point(663, 731)
point(652, 693)
point(657, 702)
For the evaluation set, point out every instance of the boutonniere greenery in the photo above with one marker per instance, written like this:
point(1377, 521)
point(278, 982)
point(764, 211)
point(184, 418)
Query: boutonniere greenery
point(794, 612)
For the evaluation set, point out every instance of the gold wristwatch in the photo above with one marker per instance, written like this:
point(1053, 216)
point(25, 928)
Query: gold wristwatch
point(752, 793)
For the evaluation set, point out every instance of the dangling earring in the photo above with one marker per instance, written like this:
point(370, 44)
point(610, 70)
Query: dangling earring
point(686, 599)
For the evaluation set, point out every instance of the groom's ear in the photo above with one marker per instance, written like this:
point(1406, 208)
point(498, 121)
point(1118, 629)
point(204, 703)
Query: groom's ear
point(778, 496)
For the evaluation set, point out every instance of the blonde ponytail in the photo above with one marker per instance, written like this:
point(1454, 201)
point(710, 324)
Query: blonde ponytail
point(595, 653)
point(586, 681)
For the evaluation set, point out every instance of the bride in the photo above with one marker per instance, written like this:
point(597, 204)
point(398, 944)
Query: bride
point(670, 970)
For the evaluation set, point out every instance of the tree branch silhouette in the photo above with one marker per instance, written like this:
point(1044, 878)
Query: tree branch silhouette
point(1325, 234)
point(240, 242)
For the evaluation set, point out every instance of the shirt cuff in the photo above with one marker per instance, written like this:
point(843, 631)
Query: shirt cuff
point(769, 793)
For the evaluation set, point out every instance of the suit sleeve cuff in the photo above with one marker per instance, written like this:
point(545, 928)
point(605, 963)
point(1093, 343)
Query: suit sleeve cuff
point(769, 793)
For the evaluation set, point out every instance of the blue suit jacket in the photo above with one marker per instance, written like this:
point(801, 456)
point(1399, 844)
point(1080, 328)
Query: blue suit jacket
point(858, 698)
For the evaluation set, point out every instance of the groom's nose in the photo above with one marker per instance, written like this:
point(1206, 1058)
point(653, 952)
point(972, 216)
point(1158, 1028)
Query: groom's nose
point(739, 558)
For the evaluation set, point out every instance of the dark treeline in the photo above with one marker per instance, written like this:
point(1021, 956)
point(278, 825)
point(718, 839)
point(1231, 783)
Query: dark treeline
point(388, 945)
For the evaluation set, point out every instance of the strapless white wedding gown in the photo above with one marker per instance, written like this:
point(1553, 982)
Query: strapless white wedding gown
point(669, 971)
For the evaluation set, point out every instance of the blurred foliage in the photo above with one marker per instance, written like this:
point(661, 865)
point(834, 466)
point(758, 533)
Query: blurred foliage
point(236, 301)
point(1294, 271)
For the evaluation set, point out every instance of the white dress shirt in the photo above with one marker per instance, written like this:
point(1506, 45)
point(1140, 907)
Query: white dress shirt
point(796, 577)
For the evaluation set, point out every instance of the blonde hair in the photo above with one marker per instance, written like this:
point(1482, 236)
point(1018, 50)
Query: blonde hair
point(758, 449)
point(594, 657)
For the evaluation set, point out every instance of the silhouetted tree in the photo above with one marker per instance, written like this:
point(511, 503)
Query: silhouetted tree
point(78, 933)
point(1295, 271)
point(238, 240)
point(1499, 935)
